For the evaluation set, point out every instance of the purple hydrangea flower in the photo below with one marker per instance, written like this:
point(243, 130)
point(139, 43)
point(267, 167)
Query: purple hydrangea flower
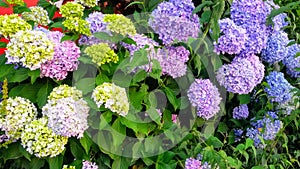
point(55, 36)
point(276, 47)
point(141, 42)
point(174, 21)
point(279, 89)
point(192, 163)
point(237, 77)
point(267, 128)
point(291, 61)
point(89, 165)
point(241, 112)
point(233, 39)
point(259, 68)
point(238, 133)
point(172, 60)
point(65, 59)
point(205, 97)
point(279, 20)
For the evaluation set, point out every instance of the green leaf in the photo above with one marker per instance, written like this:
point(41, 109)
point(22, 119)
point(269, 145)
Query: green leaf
point(240, 147)
point(171, 97)
point(43, 3)
point(25, 90)
point(86, 85)
point(12, 152)
point(69, 37)
point(218, 10)
point(43, 93)
point(57, 25)
point(3, 4)
point(199, 7)
point(19, 76)
point(86, 142)
point(129, 41)
point(134, 3)
point(51, 11)
point(280, 10)
point(258, 167)
point(249, 143)
point(101, 78)
point(154, 115)
point(156, 70)
point(21, 9)
point(102, 35)
point(56, 162)
point(105, 119)
point(3, 45)
point(121, 163)
point(37, 163)
point(77, 151)
point(214, 141)
point(222, 127)
point(34, 75)
point(244, 98)
point(139, 76)
point(118, 132)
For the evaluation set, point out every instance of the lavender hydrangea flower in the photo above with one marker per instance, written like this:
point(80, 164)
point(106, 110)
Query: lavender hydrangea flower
point(237, 77)
point(89, 165)
point(205, 97)
point(172, 21)
point(279, 89)
point(279, 20)
point(65, 60)
point(241, 112)
point(192, 163)
point(172, 60)
point(233, 40)
point(259, 68)
point(54, 36)
point(141, 41)
point(276, 47)
point(266, 128)
point(291, 61)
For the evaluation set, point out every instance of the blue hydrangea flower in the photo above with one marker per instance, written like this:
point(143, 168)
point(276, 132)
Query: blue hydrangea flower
point(174, 21)
point(279, 88)
point(241, 112)
point(233, 39)
point(291, 61)
point(205, 97)
point(238, 133)
point(279, 20)
point(276, 47)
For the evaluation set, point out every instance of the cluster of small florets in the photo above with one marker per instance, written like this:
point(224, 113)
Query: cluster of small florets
point(233, 39)
point(55, 36)
point(276, 47)
point(77, 25)
point(41, 141)
point(292, 62)
point(71, 10)
point(279, 89)
point(119, 24)
point(238, 134)
point(205, 97)
point(174, 21)
point(15, 2)
point(67, 116)
point(18, 112)
point(88, 3)
point(279, 21)
point(30, 48)
point(101, 53)
point(173, 60)
point(11, 24)
point(89, 165)
point(64, 91)
point(114, 97)
point(237, 77)
point(68, 167)
point(65, 59)
point(38, 15)
point(191, 163)
point(241, 112)
point(266, 128)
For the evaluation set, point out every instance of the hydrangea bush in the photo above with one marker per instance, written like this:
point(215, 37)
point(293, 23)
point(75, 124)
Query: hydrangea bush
point(174, 84)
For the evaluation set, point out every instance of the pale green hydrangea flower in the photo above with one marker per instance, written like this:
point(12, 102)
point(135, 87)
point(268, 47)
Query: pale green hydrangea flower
point(72, 10)
point(15, 2)
point(101, 53)
point(119, 24)
point(41, 141)
point(19, 112)
point(11, 24)
point(77, 25)
point(38, 15)
point(68, 167)
point(64, 91)
point(31, 48)
point(88, 3)
point(114, 97)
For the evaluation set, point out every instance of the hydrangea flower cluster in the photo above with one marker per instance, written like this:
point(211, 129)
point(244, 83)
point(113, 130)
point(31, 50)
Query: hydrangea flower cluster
point(241, 112)
point(64, 91)
point(174, 21)
point(114, 97)
point(41, 141)
point(291, 61)
point(119, 24)
point(88, 3)
point(54, 36)
point(233, 39)
point(15, 2)
point(101, 53)
point(173, 60)
point(266, 128)
point(11, 24)
point(278, 20)
point(237, 77)
point(67, 116)
point(276, 47)
point(279, 89)
point(89, 165)
point(31, 48)
point(238, 133)
point(205, 97)
point(65, 59)
point(71, 10)
point(19, 112)
point(38, 15)
point(258, 66)
point(77, 25)
point(191, 163)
